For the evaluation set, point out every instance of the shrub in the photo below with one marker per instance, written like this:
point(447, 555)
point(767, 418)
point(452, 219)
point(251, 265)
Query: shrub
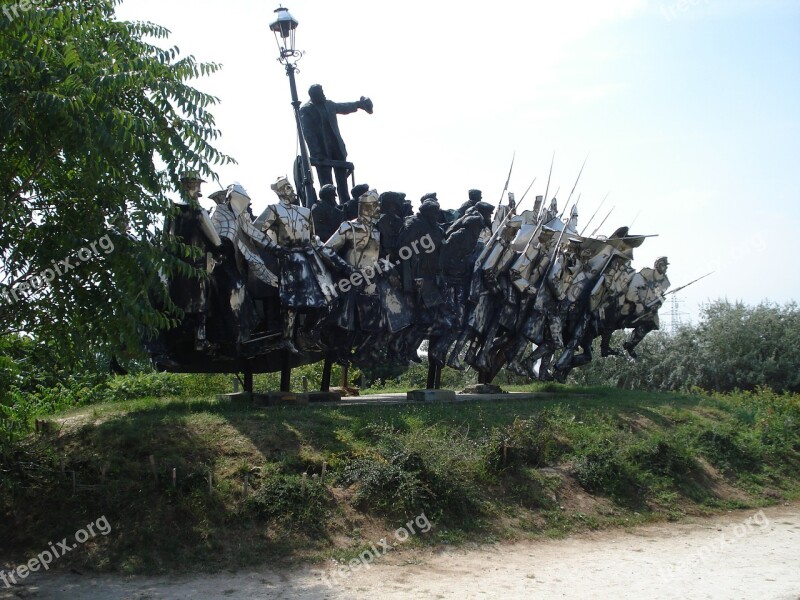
point(525, 442)
point(281, 498)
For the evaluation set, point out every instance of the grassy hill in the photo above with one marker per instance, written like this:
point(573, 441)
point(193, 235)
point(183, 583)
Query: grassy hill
point(483, 471)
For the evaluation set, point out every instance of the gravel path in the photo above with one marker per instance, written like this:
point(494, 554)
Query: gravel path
point(743, 554)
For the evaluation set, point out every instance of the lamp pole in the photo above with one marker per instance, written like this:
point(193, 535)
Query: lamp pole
point(284, 27)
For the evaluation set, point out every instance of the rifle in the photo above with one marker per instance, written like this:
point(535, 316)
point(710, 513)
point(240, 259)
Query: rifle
point(603, 221)
point(508, 179)
point(560, 235)
point(492, 239)
point(578, 179)
point(685, 285)
point(528, 190)
point(585, 227)
point(547, 188)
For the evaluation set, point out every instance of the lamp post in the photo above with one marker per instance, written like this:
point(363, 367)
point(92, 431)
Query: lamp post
point(284, 27)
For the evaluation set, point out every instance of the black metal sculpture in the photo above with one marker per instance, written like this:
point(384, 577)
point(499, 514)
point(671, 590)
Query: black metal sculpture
point(325, 144)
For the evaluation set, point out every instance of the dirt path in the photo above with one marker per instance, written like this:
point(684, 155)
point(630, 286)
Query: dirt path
point(743, 554)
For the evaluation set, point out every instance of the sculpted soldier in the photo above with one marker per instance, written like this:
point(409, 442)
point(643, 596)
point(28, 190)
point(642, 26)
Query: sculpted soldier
point(644, 297)
point(250, 240)
point(607, 301)
point(350, 207)
point(192, 293)
point(301, 274)
point(527, 274)
point(397, 304)
point(327, 216)
point(474, 196)
point(457, 259)
point(359, 240)
point(482, 209)
point(321, 132)
point(502, 212)
point(504, 296)
point(420, 274)
point(545, 326)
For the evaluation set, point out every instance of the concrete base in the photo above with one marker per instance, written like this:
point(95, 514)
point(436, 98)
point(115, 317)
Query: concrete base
point(279, 398)
point(236, 398)
point(483, 388)
point(323, 396)
point(347, 391)
point(431, 396)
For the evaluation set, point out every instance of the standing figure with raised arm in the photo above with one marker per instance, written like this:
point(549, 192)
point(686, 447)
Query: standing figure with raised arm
point(321, 132)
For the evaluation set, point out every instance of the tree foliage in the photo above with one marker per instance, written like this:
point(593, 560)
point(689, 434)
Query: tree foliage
point(735, 346)
point(96, 124)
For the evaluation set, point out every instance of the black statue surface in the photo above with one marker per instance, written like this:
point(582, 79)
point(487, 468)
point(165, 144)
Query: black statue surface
point(326, 147)
point(367, 280)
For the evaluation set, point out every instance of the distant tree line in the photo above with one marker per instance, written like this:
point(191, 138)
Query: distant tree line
point(734, 346)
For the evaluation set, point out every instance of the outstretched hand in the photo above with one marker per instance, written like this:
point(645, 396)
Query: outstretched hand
point(365, 104)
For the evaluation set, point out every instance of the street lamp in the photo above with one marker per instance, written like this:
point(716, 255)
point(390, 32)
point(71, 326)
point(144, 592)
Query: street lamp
point(284, 27)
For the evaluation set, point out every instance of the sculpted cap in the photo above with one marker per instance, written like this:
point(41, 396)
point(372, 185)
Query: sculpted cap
point(327, 192)
point(358, 190)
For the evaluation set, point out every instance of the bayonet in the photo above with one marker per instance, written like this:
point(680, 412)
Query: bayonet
point(547, 188)
point(603, 221)
point(508, 179)
point(589, 222)
point(578, 178)
point(678, 289)
point(664, 295)
point(526, 191)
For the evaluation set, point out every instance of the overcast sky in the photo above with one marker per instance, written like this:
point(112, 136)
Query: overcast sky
point(689, 111)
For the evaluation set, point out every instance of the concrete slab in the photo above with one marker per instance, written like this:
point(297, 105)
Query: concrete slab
point(431, 396)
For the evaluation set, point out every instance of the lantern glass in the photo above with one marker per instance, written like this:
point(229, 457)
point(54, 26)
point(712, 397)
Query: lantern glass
point(284, 27)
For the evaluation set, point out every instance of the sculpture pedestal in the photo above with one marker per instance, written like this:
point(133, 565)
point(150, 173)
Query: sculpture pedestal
point(431, 396)
point(279, 398)
point(483, 388)
point(315, 397)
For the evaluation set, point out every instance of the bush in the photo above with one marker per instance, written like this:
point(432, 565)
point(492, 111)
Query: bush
point(734, 347)
point(524, 443)
point(281, 498)
point(420, 470)
point(606, 469)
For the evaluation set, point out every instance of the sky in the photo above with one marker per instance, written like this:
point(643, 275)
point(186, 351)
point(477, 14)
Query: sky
point(688, 111)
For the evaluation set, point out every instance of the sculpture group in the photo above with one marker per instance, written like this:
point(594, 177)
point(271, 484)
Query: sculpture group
point(366, 280)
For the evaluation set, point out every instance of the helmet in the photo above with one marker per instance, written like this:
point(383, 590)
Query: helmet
point(192, 176)
point(279, 184)
point(238, 198)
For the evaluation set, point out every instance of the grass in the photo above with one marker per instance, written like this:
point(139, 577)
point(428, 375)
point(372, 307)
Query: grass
point(580, 458)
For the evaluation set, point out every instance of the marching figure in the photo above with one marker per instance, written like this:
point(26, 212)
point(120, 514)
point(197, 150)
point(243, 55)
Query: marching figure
point(301, 275)
point(327, 216)
point(194, 292)
point(644, 297)
point(361, 311)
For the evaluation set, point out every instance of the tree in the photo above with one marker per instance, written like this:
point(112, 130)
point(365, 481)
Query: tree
point(733, 347)
point(96, 124)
